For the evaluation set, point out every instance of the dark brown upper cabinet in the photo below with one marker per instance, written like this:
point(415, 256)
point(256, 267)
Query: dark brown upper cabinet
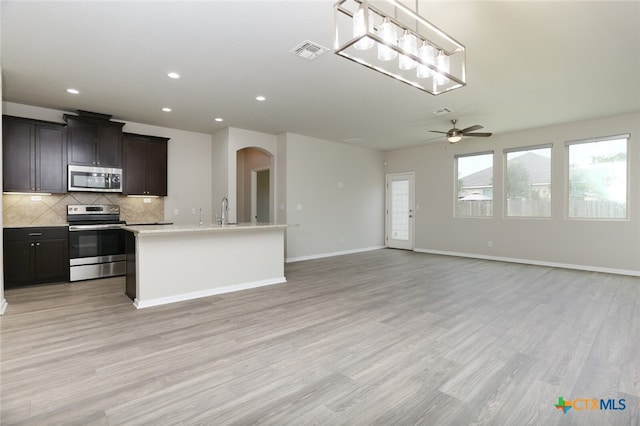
point(145, 165)
point(94, 140)
point(34, 155)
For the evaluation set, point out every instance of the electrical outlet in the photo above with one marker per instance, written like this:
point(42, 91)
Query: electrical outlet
point(489, 243)
point(176, 212)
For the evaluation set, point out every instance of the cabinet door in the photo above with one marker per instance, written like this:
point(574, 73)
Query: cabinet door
point(18, 266)
point(109, 145)
point(51, 159)
point(18, 143)
point(156, 168)
point(51, 260)
point(82, 142)
point(134, 165)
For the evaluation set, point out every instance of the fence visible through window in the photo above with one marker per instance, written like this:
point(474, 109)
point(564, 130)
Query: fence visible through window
point(598, 173)
point(474, 185)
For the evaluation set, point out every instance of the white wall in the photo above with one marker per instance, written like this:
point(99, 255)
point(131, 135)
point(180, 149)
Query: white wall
point(280, 199)
point(590, 244)
point(332, 219)
point(3, 302)
point(189, 164)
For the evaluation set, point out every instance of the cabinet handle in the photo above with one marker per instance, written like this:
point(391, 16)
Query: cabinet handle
point(35, 234)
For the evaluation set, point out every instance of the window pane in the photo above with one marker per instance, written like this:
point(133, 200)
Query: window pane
point(529, 183)
point(475, 185)
point(400, 209)
point(598, 179)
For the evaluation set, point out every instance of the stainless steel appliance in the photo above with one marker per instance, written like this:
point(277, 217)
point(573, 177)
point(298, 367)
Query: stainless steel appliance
point(96, 241)
point(94, 179)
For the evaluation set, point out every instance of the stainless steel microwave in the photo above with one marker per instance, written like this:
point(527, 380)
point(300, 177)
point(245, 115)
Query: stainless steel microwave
point(94, 179)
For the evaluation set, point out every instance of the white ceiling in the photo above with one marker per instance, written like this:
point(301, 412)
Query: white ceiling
point(529, 64)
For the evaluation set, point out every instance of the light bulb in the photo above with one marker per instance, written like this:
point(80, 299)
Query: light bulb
point(388, 33)
point(442, 62)
point(408, 43)
point(360, 28)
point(427, 54)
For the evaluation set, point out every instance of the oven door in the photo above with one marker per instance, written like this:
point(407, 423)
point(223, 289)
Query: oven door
point(96, 251)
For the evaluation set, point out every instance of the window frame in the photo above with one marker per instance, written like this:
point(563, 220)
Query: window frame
point(505, 175)
point(456, 157)
point(567, 168)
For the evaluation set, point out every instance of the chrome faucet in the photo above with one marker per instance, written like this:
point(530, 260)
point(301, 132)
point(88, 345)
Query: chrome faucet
point(224, 207)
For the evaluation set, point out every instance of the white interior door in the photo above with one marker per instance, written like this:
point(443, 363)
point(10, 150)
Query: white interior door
point(400, 211)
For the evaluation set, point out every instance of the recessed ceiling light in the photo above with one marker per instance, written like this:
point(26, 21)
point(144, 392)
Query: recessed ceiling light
point(260, 98)
point(165, 109)
point(219, 119)
point(173, 75)
point(73, 91)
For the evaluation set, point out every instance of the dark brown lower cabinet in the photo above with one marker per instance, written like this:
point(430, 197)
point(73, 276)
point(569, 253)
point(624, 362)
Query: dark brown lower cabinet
point(35, 255)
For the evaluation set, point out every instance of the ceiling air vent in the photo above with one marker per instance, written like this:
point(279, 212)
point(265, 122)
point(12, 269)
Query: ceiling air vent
point(442, 111)
point(308, 50)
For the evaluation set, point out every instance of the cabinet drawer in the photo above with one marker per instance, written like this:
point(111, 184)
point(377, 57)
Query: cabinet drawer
point(36, 233)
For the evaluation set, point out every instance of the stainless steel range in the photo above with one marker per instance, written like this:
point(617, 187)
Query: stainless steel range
point(96, 241)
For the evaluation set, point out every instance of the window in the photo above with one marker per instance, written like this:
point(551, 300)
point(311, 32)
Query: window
point(474, 185)
point(598, 178)
point(528, 181)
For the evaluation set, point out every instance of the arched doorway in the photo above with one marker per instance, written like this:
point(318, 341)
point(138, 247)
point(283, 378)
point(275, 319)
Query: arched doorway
point(254, 183)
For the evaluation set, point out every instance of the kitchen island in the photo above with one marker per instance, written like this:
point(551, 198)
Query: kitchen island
point(172, 263)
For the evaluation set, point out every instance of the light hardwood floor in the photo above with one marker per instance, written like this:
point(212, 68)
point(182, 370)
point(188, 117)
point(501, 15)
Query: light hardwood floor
point(383, 337)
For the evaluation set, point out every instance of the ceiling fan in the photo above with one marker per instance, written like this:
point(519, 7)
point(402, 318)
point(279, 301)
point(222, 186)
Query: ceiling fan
point(455, 135)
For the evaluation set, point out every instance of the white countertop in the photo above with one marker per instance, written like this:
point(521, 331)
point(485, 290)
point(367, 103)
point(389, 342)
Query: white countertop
point(168, 229)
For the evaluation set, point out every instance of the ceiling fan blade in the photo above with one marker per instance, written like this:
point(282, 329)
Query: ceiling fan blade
point(471, 128)
point(482, 135)
point(438, 131)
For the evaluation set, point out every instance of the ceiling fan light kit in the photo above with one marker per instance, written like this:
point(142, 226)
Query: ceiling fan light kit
point(394, 40)
point(455, 135)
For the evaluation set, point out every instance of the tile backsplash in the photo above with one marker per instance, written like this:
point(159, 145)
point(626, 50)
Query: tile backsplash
point(47, 210)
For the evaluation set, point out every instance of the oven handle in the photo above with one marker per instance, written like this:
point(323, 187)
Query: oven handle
point(93, 227)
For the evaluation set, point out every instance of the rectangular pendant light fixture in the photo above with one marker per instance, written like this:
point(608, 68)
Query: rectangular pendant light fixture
point(390, 38)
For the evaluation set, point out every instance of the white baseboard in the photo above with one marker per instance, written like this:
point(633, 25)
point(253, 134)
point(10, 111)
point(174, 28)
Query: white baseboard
point(336, 253)
point(3, 306)
point(534, 262)
point(206, 293)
